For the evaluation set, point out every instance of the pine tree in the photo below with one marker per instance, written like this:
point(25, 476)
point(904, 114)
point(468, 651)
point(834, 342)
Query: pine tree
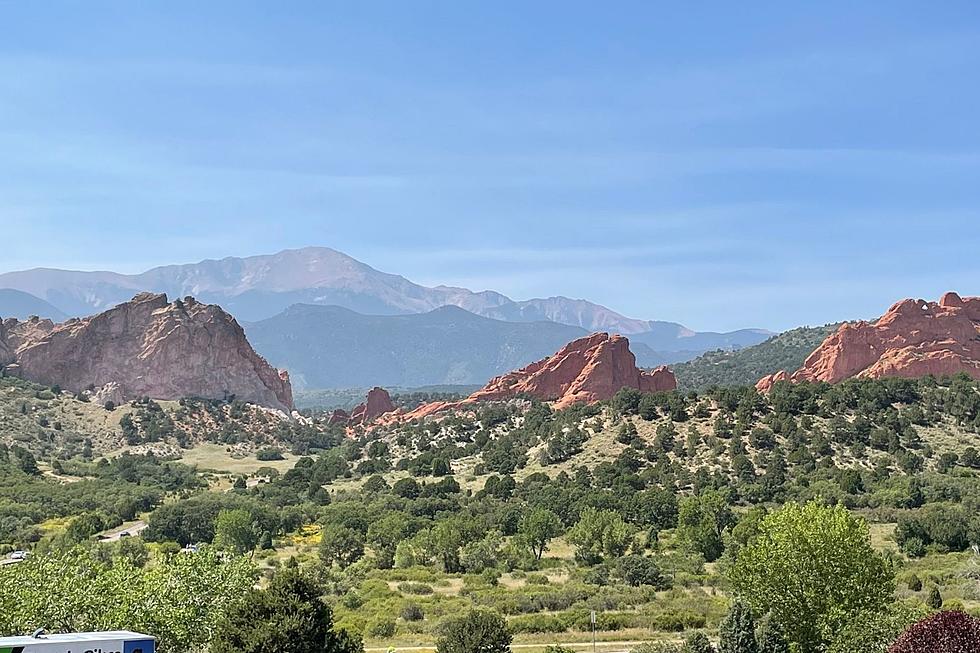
point(698, 643)
point(771, 639)
point(935, 600)
point(737, 631)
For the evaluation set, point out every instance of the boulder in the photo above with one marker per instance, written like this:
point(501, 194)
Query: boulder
point(108, 394)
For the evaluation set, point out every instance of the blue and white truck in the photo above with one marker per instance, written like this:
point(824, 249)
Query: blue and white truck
point(115, 641)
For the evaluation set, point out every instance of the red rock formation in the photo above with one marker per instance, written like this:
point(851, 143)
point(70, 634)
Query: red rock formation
point(149, 347)
point(913, 338)
point(586, 370)
point(339, 416)
point(35, 328)
point(6, 349)
point(431, 408)
point(378, 403)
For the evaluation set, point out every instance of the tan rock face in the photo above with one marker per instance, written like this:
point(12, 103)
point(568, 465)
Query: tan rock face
point(913, 338)
point(150, 347)
point(6, 350)
point(378, 403)
point(586, 370)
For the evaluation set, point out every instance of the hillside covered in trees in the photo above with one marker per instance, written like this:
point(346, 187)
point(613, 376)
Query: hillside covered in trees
point(784, 351)
point(654, 510)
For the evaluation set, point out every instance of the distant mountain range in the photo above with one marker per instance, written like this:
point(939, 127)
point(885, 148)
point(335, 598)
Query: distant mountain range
point(258, 287)
point(331, 347)
point(276, 294)
point(19, 304)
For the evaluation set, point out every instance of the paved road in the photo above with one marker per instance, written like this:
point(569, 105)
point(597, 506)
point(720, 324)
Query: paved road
point(133, 530)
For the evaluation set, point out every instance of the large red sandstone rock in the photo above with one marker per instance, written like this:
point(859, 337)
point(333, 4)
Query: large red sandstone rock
point(586, 370)
point(149, 347)
point(378, 403)
point(913, 338)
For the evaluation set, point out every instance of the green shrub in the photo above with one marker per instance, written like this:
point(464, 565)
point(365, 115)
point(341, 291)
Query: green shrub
point(420, 589)
point(657, 647)
point(607, 621)
point(269, 453)
point(538, 623)
point(381, 627)
point(677, 621)
point(412, 612)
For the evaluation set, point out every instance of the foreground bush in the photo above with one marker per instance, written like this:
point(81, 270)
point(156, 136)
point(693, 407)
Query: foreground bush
point(943, 632)
point(813, 569)
point(476, 631)
point(288, 617)
point(873, 632)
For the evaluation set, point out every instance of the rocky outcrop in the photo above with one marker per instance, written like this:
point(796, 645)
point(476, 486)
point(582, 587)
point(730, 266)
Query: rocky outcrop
point(29, 330)
point(586, 370)
point(339, 416)
point(149, 347)
point(6, 350)
point(913, 338)
point(378, 403)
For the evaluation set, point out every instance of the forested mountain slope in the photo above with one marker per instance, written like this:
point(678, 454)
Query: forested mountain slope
point(784, 351)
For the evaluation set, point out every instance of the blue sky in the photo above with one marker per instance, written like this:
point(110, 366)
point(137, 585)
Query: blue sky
point(719, 164)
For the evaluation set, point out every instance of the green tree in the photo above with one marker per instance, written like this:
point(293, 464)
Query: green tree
point(178, 599)
point(915, 583)
point(771, 638)
point(935, 598)
point(599, 534)
point(341, 544)
point(133, 550)
point(479, 630)
point(440, 467)
point(445, 540)
point(812, 567)
point(288, 617)
point(85, 526)
point(483, 554)
point(702, 520)
point(537, 528)
point(384, 535)
point(235, 531)
point(637, 570)
point(737, 631)
point(407, 488)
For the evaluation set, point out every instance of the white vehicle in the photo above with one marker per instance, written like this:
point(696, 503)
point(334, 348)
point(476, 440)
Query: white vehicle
point(19, 555)
point(116, 641)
